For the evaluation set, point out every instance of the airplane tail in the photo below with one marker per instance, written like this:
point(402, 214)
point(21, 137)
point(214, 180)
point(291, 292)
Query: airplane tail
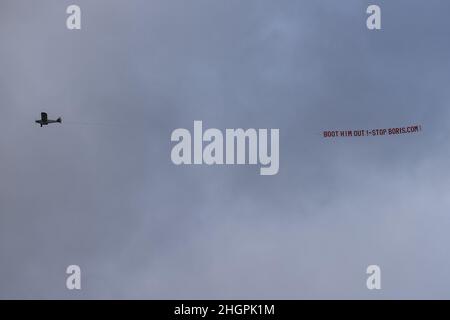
point(59, 120)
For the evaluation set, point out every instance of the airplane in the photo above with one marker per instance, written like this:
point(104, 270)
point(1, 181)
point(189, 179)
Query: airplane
point(45, 121)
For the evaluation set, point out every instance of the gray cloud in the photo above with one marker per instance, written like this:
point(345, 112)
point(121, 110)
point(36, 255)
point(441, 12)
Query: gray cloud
point(100, 190)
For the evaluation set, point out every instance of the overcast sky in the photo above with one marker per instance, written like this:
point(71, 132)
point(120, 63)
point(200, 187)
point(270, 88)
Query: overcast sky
point(100, 190)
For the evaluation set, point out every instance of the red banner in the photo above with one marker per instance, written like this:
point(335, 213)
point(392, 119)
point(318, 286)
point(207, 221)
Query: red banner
point(372, 132)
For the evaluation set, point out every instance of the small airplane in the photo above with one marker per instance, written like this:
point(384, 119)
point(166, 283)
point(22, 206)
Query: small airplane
point(45, 121)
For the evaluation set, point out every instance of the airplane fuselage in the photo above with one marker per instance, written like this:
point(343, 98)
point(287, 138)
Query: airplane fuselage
point(45, 121)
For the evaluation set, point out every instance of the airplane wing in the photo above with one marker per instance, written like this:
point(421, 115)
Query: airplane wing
point(43, 116)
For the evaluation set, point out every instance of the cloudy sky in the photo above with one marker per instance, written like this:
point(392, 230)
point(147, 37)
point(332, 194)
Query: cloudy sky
point(100, 190)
